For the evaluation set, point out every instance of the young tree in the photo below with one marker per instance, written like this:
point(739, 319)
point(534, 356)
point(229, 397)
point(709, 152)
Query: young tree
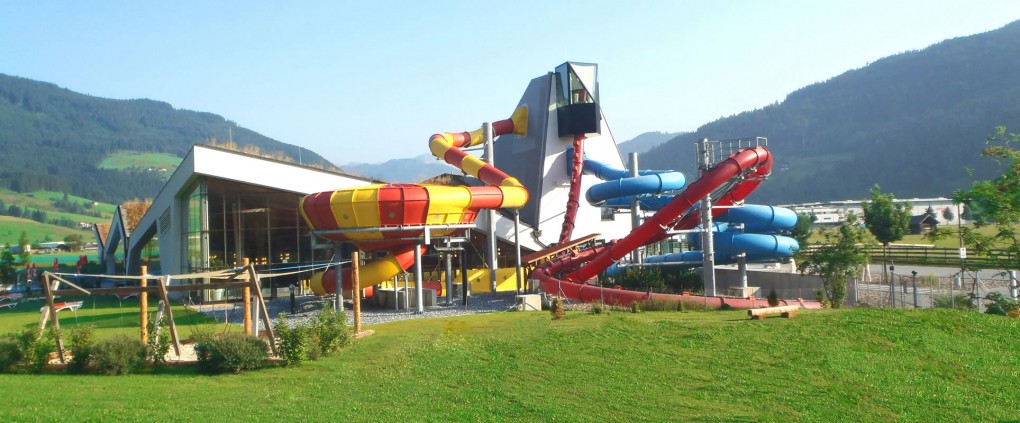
point(837, 260)
point(947, 213)
point(23, 243)
point(996, 202)
point(802, 230)
point(887, 221)
point(7, 269)
point(75, 241)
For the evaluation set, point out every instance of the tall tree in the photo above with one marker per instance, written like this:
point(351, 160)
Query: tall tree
point(887, 221)
point(837, 260)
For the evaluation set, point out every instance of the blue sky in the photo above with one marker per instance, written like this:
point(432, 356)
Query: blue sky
point(370, 81)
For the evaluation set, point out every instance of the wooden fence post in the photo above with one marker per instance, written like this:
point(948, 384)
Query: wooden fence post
point(246, 300)
point(356, 287)
point(143, 304)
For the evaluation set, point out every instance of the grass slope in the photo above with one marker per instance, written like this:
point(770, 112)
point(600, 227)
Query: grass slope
point(828, 365)
point(11, 227)
point(137, 160)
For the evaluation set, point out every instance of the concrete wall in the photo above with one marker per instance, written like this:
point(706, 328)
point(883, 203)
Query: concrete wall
point(787, 285)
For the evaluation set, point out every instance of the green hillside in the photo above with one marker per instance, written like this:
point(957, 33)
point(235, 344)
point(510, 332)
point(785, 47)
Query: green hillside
point(913, 123)
point(57, 140)
point(822, 365)
point(48, 216)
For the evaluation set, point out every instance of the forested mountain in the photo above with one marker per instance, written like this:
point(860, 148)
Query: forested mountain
point(54, 139)
point(913, 123)
point(645, 142)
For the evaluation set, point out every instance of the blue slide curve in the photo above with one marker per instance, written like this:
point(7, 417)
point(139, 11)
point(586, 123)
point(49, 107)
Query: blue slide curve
point(620, 186)
point(758, 239)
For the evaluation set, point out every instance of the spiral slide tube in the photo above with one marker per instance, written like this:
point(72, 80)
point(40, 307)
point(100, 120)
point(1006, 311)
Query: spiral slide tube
point(621, 184)
point(750, 166)
point(382, 216)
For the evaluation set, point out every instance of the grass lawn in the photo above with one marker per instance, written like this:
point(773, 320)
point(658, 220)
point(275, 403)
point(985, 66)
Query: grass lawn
point(109, 316)
point(825, 365)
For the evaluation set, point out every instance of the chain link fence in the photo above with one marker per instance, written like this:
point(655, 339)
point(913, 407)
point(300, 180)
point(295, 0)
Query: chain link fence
point(930, 291)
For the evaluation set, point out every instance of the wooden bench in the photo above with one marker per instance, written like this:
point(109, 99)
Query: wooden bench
point(784, 311)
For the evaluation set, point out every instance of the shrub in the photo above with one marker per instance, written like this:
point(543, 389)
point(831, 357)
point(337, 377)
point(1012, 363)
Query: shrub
point(961, 301)
point(635, 307)
point(556, 308)
point(773, 298)
point(232, 353)
point(599, 308)
point(657, 304)
point(330, 327)
point(294, 340)
point(10, 353)
point(118, 355)
point(35, 348)
point(1000, 304)
point(82, 342)
point(157, 346)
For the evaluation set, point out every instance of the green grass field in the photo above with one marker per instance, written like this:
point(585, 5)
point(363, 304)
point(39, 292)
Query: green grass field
point(136, 160)
point(825, 365)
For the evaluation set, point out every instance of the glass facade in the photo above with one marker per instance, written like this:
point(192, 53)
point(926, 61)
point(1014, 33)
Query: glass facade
point(229, 221)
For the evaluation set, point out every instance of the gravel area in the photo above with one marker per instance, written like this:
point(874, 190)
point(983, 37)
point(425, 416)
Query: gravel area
point(306, 306)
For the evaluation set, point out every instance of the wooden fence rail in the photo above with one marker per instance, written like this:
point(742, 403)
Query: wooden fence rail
point(928, 255)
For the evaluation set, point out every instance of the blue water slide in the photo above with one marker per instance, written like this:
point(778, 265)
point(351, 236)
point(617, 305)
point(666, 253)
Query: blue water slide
point(646, 202)
point(760, 219)
point(621, 184)
point(757, 240)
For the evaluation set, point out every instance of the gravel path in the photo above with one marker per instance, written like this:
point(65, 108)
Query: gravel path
point(306, 306)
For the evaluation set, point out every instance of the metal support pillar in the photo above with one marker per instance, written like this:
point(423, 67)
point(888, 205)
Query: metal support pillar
point(517, 250)
point(1014, 285)
point(464, 277)
point(892, 286)
point(913, 281)
point(490, 232)
point(448, 255)
point(707, 245)
point(337, 258)
point(418, 282)
point(635, 213)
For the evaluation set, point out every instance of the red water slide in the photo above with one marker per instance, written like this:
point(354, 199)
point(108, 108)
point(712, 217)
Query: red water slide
point(747, 168)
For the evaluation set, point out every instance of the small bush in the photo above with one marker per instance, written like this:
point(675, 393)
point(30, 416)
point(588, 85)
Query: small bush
point(118, 355)
point(158, 346)
point(599, 308)
point(35, 348)
point(233, 353)
point(294, 341)
point(330, 327)
point(657, 304)
point(10, 353)
point(1000, 304)
point(82, 341)
point(635, 307)
point(556, 308)
point(773, 298)
point(961, 301)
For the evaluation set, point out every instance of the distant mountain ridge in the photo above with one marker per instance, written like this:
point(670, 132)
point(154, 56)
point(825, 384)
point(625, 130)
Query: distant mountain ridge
point(54, 139)
point(913, 123)
point(645, 142)
point(408, 170)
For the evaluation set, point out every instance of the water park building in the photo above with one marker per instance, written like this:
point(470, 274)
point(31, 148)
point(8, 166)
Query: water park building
point(523, 195)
